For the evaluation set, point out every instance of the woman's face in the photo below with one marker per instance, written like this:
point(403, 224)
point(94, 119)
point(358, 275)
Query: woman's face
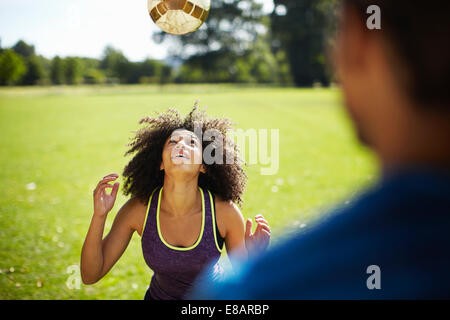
point(182, 153)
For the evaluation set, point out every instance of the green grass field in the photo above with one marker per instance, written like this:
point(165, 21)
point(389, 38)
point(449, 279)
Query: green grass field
point(57, 143)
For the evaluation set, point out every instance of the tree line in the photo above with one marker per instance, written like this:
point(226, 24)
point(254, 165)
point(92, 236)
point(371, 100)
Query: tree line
point(238, 43)
point(20, 65)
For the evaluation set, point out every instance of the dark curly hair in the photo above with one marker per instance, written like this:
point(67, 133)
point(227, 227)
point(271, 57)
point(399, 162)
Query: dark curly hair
point(142, 174)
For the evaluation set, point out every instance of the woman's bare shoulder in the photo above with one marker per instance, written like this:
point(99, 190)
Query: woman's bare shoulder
point(228, 214)
point(225, 207)
point(134, 205)
point(134, 211)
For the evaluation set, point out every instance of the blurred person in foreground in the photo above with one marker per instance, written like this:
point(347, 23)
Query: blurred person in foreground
point(393, 241)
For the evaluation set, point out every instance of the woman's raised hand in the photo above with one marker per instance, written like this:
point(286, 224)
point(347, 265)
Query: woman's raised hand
point(103, 202)
point(258, 241)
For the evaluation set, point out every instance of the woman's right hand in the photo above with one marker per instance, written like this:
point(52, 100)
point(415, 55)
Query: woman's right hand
point(103, 202)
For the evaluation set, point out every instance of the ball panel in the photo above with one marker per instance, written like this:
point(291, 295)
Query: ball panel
point(175, 4)
point(204, 15)
point(162, 8)
point(184, 23)
point(205, 4)
point(154, 14)
point(179, 16)
point(197, 13)
point(188, 7)
point(153, 3)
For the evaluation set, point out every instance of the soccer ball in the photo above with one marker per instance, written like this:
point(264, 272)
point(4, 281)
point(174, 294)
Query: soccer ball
point(179, 16)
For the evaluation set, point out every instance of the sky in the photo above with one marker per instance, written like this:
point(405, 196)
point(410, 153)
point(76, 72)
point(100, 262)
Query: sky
point(83, 27)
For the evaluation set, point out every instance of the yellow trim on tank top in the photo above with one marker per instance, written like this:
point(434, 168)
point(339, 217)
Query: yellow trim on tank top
point(146, 214)
point(201, 231)
point(213, 213)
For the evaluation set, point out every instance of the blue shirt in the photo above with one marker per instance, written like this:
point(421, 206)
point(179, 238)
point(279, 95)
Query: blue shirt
point(400, 226)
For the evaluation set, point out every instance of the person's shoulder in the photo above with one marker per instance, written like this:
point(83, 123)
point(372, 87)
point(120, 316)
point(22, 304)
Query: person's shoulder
point(228, 215)
point(406, 193)
point(135, 204)
point(346, 240)
point(225, 207)
point(304, 255)
point(133, 212)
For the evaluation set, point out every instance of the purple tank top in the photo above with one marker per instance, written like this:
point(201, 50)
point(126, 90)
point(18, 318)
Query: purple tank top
point(176, 268)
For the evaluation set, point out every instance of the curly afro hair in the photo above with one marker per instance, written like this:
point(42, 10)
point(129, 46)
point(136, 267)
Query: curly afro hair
point(142, 174)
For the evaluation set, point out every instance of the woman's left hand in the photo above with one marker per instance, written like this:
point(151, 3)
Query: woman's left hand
point(258, 241)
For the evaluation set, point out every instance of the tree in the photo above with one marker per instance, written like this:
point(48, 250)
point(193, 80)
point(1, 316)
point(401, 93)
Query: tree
point(34, 64)
point(302, 29)
point(12, 67)
point(73, 70)
point(257, 64)
point(115, 64)
point(231, 24)
point(231, 46)
point(151, 70)
point(93, 76)
point(211, 53)
point(213, 66)
point(57, 73)
point(147, 71)
point(35, 71)
point(166, 74)
point(24, 49)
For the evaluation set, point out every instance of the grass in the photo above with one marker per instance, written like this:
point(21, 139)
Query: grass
point(57, 143)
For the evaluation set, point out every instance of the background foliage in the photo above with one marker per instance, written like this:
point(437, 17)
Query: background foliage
point(238, 43)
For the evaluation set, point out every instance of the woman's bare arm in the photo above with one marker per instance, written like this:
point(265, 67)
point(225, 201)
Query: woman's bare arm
point(230, 222)
point(99, 255)
point(239, 240)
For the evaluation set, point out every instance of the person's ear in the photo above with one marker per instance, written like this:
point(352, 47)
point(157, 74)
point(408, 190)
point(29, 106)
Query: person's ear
point(202, 168)
point(161, 167)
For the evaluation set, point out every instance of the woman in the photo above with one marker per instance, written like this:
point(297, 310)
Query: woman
point(183, 209)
